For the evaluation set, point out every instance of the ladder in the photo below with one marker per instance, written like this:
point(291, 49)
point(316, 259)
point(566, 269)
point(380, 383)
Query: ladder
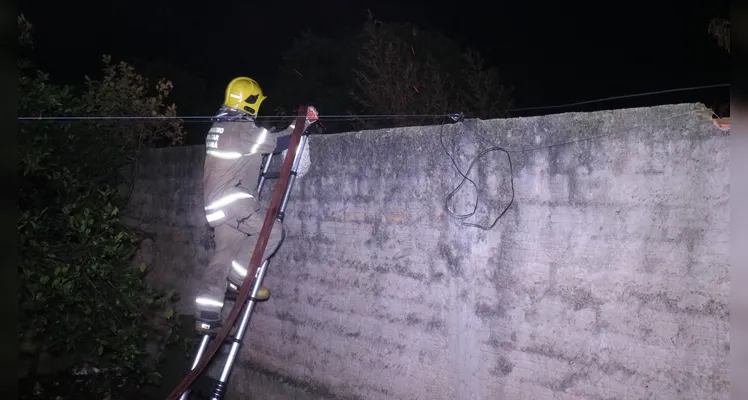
point(243, 321)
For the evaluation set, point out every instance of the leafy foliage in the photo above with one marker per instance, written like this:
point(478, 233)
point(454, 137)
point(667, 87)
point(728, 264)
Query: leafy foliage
point(406, 71)
point(317, 70)
point(190, 92)
point(80, 298)
point(720, 29)
point(388, 68)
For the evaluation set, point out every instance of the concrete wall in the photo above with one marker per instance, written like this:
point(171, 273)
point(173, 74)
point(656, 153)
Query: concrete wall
point(608, 278)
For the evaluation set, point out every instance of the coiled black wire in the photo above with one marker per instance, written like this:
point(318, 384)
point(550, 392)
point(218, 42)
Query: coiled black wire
point(465, 178)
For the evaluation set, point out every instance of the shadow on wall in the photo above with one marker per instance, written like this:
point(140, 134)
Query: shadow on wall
point(167, 205)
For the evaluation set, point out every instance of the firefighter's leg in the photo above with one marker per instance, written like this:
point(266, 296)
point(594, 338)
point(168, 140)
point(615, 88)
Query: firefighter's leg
point(240, 263)
point(212, 287)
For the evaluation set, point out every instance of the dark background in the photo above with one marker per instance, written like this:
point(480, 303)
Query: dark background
point(550, 52)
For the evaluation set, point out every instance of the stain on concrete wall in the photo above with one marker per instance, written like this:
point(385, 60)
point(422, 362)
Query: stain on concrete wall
point(608, 277)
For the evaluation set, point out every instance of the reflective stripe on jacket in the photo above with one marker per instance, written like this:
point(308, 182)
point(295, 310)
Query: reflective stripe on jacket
point(233, 158)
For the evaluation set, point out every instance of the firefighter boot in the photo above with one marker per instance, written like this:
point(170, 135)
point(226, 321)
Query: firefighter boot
point(233, 290)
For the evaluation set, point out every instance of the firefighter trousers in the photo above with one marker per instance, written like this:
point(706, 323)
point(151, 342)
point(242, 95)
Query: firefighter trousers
point(230, 259)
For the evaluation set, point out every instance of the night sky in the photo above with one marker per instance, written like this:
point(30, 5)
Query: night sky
point(551, 53)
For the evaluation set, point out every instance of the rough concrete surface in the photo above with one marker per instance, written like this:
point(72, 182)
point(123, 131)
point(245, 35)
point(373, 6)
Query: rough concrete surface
point(167, 204)
point(607, 278)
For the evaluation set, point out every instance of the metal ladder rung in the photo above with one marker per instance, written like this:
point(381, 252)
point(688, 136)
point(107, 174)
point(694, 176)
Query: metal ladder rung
point(271, 175)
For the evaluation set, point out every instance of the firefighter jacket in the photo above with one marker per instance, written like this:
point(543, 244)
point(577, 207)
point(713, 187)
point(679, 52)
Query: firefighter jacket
point(233, 158)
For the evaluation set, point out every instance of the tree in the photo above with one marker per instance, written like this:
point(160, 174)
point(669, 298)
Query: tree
point(318, 70)
point(719, 28)
point(190, 92)
point(81, 302)
point(388, 68)
point(403, 70)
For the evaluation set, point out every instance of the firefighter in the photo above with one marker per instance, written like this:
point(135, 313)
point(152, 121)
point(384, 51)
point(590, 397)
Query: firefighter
point(234, 150)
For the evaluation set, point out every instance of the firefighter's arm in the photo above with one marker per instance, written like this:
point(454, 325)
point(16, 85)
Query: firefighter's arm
point(283, 138)
point(281, 143)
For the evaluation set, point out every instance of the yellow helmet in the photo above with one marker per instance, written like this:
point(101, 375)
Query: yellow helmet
point(244, 94)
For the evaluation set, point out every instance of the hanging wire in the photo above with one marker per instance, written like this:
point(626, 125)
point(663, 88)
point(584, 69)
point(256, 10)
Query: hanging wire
point(453, 116)
point(626, 96)
point(465, 178)
point(350, 117)
point(496, 148)
point(213, 117)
